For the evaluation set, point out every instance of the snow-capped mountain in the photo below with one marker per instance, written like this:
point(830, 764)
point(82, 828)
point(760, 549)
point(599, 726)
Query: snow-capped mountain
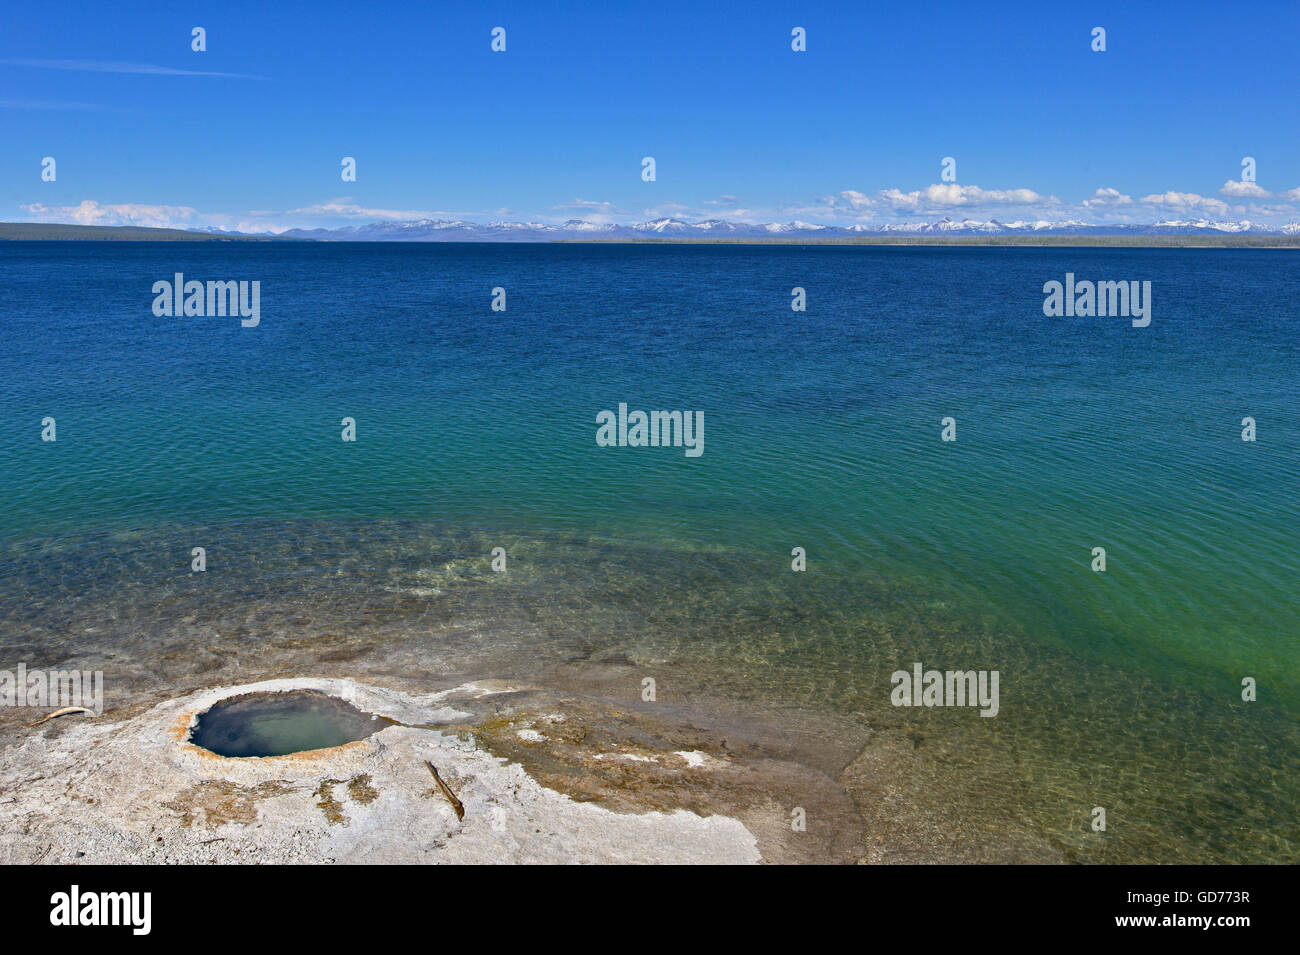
point(457, 230)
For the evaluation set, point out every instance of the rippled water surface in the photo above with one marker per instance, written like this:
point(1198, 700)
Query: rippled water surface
point(476, 429)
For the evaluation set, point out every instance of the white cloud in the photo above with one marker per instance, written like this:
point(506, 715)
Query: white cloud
point(1252, 202)
point(855, 199)
point(935, 199)
point(90, 212)
point(950, 195)
point(1244, 190)
point(1185, 201)
point(1107, 197)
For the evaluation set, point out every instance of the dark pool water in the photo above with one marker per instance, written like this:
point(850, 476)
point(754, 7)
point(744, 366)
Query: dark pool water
point(274, 724)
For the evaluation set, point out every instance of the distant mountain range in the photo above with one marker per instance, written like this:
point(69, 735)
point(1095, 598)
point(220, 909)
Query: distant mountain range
point(444, 230)
point(1169, 232)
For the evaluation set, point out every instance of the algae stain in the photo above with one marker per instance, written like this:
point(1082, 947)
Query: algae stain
point(328, 805)
point(361, 791)
point(217, 802)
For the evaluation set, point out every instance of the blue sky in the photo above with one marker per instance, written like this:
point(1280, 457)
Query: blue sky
point(251, 133)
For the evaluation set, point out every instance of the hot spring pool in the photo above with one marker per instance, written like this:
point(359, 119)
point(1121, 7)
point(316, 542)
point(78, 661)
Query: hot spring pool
point(275, 724)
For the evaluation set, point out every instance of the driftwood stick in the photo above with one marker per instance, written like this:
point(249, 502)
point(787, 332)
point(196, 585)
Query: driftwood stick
point(62, 712)
point(446, 791)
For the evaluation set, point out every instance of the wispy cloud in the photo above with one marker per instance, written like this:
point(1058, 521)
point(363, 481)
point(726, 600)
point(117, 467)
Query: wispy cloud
point(346, 209)
point(668, 210)
point(329, 213)
point(48, 104)
point(591, 210)
point(117, 66)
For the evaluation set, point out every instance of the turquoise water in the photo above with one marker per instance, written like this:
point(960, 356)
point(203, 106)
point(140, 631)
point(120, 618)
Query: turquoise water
point(822, 430)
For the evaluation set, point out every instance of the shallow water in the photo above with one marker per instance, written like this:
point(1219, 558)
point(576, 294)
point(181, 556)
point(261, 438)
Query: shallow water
point(476, 430)
point(417, 606)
